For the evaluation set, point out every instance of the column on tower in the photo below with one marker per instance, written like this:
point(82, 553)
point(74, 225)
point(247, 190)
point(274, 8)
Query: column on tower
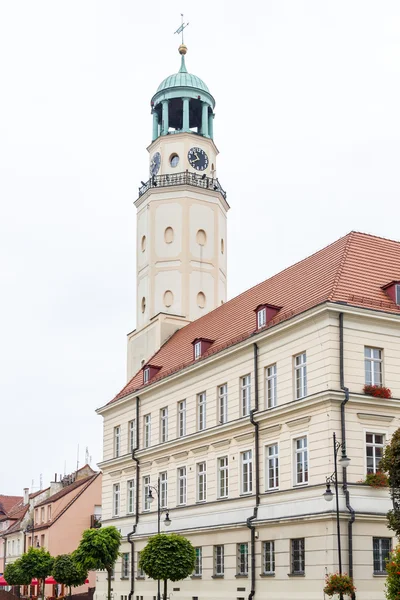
point(204, 120)
point(211, 125)
point(185, 123)
point(155, 124)
point(165, 122)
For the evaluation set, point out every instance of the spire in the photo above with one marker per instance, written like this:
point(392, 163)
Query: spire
point(182, 51)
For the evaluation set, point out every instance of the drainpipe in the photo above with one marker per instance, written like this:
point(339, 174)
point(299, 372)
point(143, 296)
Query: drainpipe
point(249, 523)
point(132, 533)
point(343, 426)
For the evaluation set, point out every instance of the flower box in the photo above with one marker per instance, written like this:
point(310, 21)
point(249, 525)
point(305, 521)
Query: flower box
point(378, 391)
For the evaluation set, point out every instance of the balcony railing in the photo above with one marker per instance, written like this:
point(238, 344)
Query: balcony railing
point(95, 521)
point(185, 178)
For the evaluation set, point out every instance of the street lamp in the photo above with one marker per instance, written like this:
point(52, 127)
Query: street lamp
point(344, 462)
point(167, 520)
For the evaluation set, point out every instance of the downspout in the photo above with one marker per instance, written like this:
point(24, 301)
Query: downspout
point(249, 521)
point(343, 426)
point(132, 533)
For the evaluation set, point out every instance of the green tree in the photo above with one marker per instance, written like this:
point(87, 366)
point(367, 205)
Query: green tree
point(15, 575)
point(98, 550)
point(392, 585)
point(37, 563)
point(168, 556)
point(390, 463)
point(70, 572)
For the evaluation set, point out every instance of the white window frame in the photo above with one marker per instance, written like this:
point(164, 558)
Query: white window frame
point(198, 565)
point(132, 435)
point(116, 499)
point(146, 375)
point(147, 430)
point(300, 452)
point(269, 557)
point(271, 386)
point(197, 350)
point(117, 441)
point(223, 403)
point(373, 445)
point(223, 476)
point(370, 360)
point(271, 463)
point(182, 485)
point(246, 471)
point(164, 425)
point(130, 496)
point(261, 317)
point(201, 475)
point(300, 375)
point(146, 489)
point(201, 411)
point(163, 476)
point(245, 395)
point(181, 418)
point(219, 560)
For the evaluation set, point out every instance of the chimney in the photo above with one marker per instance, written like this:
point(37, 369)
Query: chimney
point(26, 496)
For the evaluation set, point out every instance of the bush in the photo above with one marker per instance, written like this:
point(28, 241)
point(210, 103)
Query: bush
point(376, 480)
point(378, 391)
point(393, 575)
point(339, 584)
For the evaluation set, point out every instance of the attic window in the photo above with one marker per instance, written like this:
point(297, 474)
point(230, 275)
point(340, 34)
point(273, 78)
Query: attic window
point(146, 375)
point(149, 371)
point(200, 346)
point(261, 317)
point(392, 289)
point(265, 313)
point(197, 350)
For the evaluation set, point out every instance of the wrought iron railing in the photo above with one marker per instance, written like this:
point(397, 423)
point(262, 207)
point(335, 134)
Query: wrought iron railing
point(185, 178)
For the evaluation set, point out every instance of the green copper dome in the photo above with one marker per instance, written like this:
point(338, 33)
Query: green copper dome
point(183, 79)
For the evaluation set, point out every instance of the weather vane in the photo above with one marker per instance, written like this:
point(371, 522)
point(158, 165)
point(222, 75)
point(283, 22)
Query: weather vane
point(181, 27)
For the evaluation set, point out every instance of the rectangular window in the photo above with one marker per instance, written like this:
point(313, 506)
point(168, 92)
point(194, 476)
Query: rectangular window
point(245, 395)
point(297, 556)
point(146, 375)
point(146, 490)
point(181, 418)
point(223, 403)
point(49, 512)
point(182, 485)
point(140, 572)
point(116, 499)
point(125, 565)
point(219, 561)
point(382, 548)
point(246, 460)
point(117, 441)
point(270, 386)
point(269, 558)
point(198, 566)
point(242, 559)
point(375, 443)
point(201, 482)
point(272, 463)
point(164, 425)
point(147, 430)
point(397, 294)
point(42, 514)
point(300, 374)
point(261, 317)
point(373, 366)
point(132, 434)
point(301, 460)
point(131, 497)
point(201, 411)
point(197, 350)
point(223, 477)
point(163, 489)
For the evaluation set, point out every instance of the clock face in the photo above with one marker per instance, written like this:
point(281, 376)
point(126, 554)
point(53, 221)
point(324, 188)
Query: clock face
point(155, 163)
point(198, 159)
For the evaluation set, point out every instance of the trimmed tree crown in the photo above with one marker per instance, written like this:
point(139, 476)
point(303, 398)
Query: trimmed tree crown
point(168, 556)
point(99, 548)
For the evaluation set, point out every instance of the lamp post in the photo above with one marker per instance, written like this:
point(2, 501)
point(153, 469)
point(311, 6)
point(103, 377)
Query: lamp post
point(344, 462)
point(167, 520)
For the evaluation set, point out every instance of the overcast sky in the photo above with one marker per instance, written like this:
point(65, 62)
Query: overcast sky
point(308, 128)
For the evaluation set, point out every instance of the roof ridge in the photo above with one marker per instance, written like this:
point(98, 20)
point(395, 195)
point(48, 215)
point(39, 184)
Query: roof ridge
point(341, 264)
point(377, 237)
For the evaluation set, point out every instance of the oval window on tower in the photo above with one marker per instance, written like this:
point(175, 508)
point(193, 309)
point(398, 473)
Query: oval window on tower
point(168, 298)
point(201, 237)
point(201, 300)
point(174, 160)
point(143, 243)
point(143, 304)
point(169, 235)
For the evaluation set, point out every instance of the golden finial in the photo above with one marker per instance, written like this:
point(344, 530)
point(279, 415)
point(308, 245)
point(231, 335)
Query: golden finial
point(182, 49)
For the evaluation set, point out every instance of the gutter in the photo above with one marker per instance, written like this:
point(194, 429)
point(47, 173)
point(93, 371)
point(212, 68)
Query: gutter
point(343, 427)
point(132, 533)
point(249, 521)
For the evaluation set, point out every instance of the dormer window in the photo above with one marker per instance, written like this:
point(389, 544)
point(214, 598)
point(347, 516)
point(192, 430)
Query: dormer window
point(149, 371)
point(392, 289)
point(146, 375)
point(200, 346)
point(265, 313)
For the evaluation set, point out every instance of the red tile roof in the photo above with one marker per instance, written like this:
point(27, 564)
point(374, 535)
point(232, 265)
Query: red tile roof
point(352, 270)
point(67, 490)
point(7, 503)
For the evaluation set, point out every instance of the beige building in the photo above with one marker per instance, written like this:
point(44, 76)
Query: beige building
point(230, 422)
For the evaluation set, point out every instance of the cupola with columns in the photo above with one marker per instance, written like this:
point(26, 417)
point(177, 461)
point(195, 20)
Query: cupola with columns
point(181, 217)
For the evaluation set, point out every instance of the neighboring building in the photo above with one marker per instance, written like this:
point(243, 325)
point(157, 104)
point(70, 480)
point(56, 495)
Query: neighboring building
point(232, 418)
point(9, 506)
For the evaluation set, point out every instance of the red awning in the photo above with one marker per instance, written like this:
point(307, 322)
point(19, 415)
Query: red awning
point(2, 581)
point(49, 581)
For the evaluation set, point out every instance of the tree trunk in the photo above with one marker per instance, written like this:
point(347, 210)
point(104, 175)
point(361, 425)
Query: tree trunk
point(43, 584)
point(109, 573)
point(165, 589)
point(70, 591)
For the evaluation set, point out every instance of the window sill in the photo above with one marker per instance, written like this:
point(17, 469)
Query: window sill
point(125, 577)
point(217, 576)
point(296, 574)
point(241, 576)
point(140, 578)
point(379, 574)
point(201, 501)
point(267, 574)
point(195, 576)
